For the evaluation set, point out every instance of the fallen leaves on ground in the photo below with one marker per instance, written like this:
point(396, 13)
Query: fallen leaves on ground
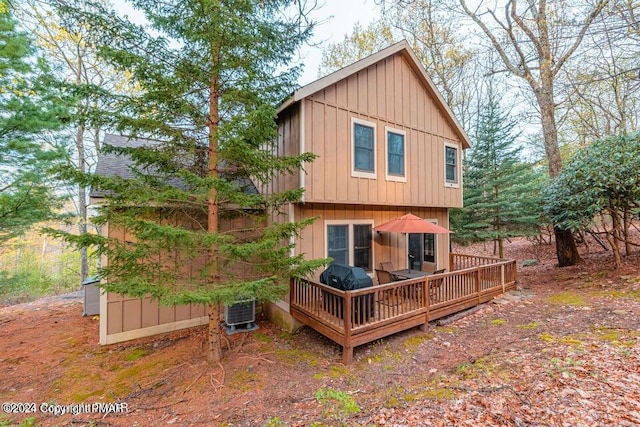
point(564, 350)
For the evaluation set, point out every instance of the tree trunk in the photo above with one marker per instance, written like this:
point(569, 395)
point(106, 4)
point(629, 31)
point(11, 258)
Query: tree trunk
point(82, 191)
point(566, 248)
point(498, 223)
point(82, 202)
point(610, 237)
point(215, 347)
point(98, 228)
point(616, 233)
point(616, 250)
point(44, 247)
point(626, 222)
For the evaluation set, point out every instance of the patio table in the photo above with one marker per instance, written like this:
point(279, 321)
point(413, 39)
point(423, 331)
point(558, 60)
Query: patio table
point(409, 274)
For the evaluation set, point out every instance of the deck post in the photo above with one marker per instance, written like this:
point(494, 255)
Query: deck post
point(478, 287)
point(347, 355)
point(347, 348)
point(292, 292)
point(426, 289)
point(451, 266)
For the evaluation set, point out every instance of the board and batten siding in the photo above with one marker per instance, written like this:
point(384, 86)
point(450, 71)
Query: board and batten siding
point(124, 317)
point(288, 144)
point(386, 246)
point(387, 93)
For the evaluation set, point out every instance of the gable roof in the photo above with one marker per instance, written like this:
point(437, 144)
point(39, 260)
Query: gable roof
point(404, 49)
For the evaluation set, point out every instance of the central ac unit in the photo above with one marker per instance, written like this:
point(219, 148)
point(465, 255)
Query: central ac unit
point(240, 314)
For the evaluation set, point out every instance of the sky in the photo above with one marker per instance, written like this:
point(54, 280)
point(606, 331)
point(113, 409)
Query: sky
point(340, 16)
point(336, 18)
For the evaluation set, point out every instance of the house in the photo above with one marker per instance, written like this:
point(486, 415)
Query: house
point(387, 144)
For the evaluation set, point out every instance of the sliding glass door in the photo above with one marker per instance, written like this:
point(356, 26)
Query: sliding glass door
point(422, 247)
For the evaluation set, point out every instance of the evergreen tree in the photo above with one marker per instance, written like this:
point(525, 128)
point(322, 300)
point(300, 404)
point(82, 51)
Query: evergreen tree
point(212, 74)
point(501, 193)
point(28, 108)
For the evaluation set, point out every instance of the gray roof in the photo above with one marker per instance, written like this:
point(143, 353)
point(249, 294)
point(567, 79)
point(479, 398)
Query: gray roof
point(112, 164)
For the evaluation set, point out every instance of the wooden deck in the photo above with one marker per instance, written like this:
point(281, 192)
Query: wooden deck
point(353, 318)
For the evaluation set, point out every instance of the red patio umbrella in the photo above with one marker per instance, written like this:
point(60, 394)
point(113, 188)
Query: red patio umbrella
point(410, 223)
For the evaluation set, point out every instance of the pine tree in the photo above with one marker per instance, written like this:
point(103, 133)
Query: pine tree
point(28, 108)
point(212, 74)
point(501, 192)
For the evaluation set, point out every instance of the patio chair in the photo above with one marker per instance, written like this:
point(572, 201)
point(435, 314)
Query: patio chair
point(383, 276)
point(429, 267)
point(434, 285)
point(388, 266)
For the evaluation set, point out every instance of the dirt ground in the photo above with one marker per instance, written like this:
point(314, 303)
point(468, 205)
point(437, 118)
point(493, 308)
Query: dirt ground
point(562, 350)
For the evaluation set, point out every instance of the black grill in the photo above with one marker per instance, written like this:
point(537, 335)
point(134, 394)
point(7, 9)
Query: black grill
point(347, 278)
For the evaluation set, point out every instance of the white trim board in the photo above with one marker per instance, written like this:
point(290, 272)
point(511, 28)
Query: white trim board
point(152, 330)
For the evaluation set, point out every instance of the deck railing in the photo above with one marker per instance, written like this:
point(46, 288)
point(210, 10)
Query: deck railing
point(353, 318)
point(463, 261)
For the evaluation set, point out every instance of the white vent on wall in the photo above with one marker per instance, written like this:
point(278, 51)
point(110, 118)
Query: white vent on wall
point(242, 313)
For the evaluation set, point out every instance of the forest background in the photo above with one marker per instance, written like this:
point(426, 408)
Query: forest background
point(554, 78)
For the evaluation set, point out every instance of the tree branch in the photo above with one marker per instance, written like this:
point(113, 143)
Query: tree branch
point(494, 41)
point(595, 12)
point(525, 28)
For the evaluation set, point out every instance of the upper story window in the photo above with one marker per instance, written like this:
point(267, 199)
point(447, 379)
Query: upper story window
point(396, 155)
point(363, 143)
point(451, 166)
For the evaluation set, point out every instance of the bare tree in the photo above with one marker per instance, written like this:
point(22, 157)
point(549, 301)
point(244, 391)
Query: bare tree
point(535, 40)
point(433, 33)
point(603, 85)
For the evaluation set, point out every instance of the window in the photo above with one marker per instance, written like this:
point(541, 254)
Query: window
point(363, 144)
point(350, 244)
point(364, 154)
point(338, 240)
point(396, 164)
point(451, 174)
